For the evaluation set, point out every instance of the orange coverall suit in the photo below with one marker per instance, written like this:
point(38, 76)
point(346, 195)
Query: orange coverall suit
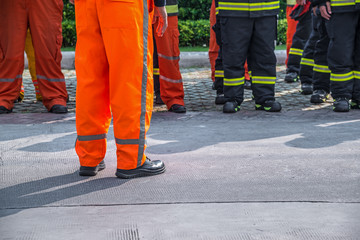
point(113, 62)
point(291, 27)
point(171, 84)
point(44, 20)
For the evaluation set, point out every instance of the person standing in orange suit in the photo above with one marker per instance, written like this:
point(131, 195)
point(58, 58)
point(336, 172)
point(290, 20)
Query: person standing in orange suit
point(113, 61)
point(44, 20)
point(291, 27)
point(166, 62)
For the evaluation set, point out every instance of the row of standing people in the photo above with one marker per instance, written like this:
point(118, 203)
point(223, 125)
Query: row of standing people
point(325, 53)
point(307, 50)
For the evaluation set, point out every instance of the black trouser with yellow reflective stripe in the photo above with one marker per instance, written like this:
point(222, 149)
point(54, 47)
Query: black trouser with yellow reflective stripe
point(307, 59)
point(251, 38)
point(156, 70)
point(303, 30)
point(321, 77)
point(344, 54)
point(219, 71)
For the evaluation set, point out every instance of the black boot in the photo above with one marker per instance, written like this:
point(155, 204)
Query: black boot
point(231, 107)
point(177, 108)
point(291, 77)
point(341, 105)
point(59, 109)
point(269, 106)
point(306, 88)
point(91, 171)
point(319, 96)
point(4, 110)
point(149, 168)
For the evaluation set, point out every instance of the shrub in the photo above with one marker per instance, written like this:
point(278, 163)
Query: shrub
point(281, 31)
point(69, 33)
point(194, 9)
point(194, 33)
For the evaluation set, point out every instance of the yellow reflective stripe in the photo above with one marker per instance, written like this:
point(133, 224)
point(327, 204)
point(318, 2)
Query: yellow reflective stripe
point(342, 2)
point(263, 80)
point(234, 81)
point(321, 68)
point(249, 6)
point(307, 61)
point(216, 11)
point(219, 73)
point(172, 9)
point(341, 77)
point(357, 73)
point(296, 51)
point(156, 71)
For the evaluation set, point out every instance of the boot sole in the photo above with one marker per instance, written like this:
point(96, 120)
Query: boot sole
point(137, 174)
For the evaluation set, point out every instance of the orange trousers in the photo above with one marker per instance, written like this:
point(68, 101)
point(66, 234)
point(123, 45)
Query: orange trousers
point(44, 20)
point(214, 47)
point(171, 84)
point(291, 29)
point(113, 62)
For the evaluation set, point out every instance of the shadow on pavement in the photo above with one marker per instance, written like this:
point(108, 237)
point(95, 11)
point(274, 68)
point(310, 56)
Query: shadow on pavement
point(41, 193)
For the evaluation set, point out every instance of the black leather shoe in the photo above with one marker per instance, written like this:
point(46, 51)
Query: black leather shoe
point(4, 110)
point(306, 88)
point(220, 99)
point(231, 107)
point(341, 105)
point(149, 168)
point(158, 100)
point(247, 84)
point(319, 96)
point(58, 109)
point(291, 77)
point(92, 171)
point(177, 108)
point(269, 106)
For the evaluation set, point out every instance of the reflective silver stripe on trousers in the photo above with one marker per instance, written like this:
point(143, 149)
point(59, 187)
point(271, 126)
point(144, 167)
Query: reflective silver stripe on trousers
point(168, 57)
point(91, 137)
point(144, 84)
point(127, 141)
point(51, 79)
point(10, 79)
point(170, 80)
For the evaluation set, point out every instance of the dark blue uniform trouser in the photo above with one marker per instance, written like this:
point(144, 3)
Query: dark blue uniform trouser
point(252, 39)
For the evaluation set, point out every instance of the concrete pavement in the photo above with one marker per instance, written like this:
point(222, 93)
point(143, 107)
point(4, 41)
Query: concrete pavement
point(249, 175)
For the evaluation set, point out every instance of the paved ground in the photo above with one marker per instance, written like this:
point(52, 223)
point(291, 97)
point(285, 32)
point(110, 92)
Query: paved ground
point(249, 175)
point(198, 93)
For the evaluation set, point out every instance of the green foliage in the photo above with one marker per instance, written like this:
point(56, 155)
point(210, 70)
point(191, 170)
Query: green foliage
point(194, 9)
point(194, 33)
point(69, 33)
point(68, 11)
point(281, 32)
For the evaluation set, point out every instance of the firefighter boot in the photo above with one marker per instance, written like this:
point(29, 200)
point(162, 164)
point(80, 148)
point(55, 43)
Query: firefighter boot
point(269, 106)
point(220, 99)
point(59, 109)
point(306, 88)
point(355, 104)
point(231, 107)
point(91, 171)
point(319, 96)
point(291, 77)
point(341, 105)
point(149, 168)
